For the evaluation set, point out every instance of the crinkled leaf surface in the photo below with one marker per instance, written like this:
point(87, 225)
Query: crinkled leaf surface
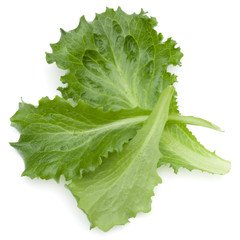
point(123, 185)
point(116, 61)
point(59, 139)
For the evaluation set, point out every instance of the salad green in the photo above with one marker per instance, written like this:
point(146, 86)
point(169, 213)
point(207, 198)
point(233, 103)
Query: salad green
point(118, 119)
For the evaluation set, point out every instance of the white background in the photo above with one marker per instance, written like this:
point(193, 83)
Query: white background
point(189, 205)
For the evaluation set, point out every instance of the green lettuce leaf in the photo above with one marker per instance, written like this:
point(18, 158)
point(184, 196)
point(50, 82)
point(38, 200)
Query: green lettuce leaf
point(117, 61)
point(123, 185)
point(59, 139)
point(179, 148)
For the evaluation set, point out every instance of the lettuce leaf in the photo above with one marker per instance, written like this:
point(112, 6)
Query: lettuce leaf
point(180, 148)
point(60, 139)
point(117, 61)
point(123, 185)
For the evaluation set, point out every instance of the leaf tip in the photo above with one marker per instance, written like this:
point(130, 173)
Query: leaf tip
point(48, 57)
point(63, 32)
point(12, 144)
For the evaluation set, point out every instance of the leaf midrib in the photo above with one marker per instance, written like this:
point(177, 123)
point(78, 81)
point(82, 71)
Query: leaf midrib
point(101, 128)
